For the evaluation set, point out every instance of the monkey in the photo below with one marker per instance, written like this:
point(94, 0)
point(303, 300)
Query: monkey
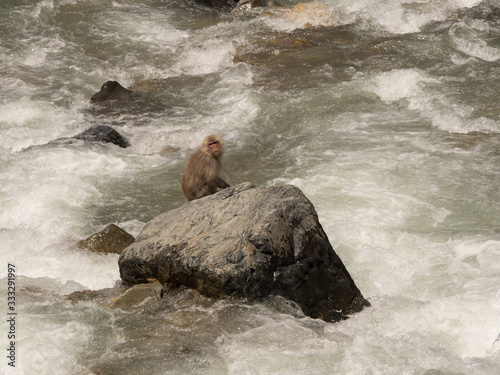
point(201, 174)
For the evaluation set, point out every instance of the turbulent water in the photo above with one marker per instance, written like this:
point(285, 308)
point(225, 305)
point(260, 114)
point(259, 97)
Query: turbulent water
point(385, 113)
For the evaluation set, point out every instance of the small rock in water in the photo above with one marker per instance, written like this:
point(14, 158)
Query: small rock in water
point(244, 5)
point(97, 133)
point(111, 239)
point(111, 90)
point(103, 133)
point(137, 296)
point(102, 297)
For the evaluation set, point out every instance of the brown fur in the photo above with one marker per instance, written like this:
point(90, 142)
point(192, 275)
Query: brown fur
point(201, 174)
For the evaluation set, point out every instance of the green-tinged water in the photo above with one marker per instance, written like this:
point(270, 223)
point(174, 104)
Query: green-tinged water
point(384, 113)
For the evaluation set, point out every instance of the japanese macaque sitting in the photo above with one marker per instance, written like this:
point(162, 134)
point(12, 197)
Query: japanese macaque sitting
point(201, 174)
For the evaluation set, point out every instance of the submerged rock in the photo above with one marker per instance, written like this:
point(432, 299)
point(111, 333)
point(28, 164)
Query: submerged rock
point(137, 296)
point(111, 239)
point(227, 4)
point(238, 5)
point(244, 5)
point(101, 297)
point(246, 242)
point(488, 10)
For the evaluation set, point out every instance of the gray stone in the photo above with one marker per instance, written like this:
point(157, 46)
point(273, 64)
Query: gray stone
point(111, 239)
point(246, 242)
point(139, 295)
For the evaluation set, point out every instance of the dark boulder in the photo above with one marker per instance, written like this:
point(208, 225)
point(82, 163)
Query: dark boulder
point(114, 100)
point(246, 242)
point(111, 90)
point(223, 4)
point(94, 134)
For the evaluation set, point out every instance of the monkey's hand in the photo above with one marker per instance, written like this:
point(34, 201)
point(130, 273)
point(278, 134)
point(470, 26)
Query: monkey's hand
point(221, 183)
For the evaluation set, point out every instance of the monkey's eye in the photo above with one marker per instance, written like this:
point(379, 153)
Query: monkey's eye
point(212, 143)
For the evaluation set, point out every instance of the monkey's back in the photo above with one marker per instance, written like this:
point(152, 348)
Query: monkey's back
point(200, 174)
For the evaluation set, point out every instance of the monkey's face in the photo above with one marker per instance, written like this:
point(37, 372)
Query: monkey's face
point(214, 148)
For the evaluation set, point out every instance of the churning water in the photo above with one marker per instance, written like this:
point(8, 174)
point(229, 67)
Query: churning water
point(385, 113)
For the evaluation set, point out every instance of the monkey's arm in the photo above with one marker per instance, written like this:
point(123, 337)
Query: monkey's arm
point(221, 183)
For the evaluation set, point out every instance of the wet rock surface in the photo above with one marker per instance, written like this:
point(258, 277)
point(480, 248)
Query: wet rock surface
point(246, 242)
point(139, 296)
point(111, 239)
point(103, 133)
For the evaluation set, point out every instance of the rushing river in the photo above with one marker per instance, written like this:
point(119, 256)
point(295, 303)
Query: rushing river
point(386, 114)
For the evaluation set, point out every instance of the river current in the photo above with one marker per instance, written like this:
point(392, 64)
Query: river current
point(384, 113)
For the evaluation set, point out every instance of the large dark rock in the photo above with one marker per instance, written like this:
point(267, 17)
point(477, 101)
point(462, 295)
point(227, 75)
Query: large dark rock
point(246, 242)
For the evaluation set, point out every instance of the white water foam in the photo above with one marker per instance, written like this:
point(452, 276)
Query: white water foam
point(467, 38)
point(25, 123)
point(42, 218)
point(304, 15)
point(210, 56)
point(422, 94)
point(400, 16)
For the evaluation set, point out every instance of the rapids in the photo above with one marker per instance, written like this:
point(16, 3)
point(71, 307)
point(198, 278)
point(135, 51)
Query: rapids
point(384, 112)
